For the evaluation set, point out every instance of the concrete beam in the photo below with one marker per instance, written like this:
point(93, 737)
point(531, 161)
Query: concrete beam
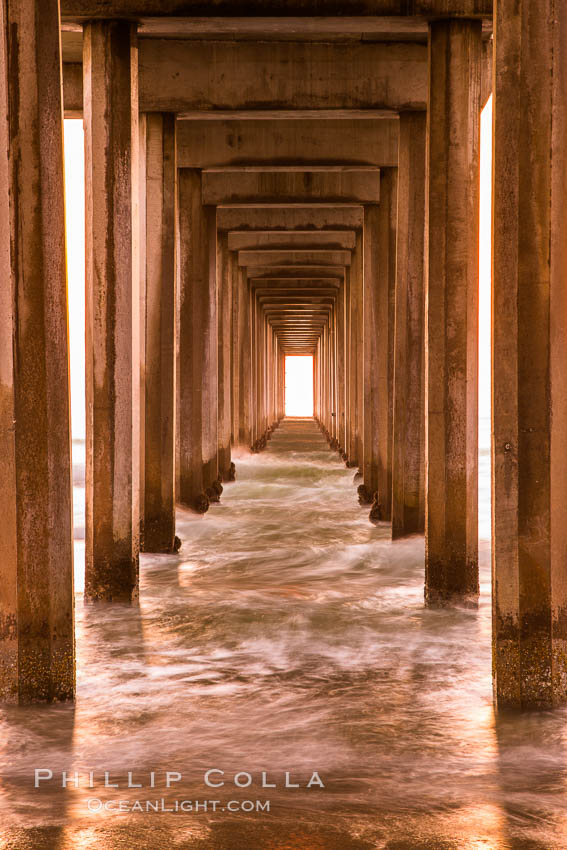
point(79, 9)
point(310, 140)
point(291, 257)
point(181, 75)
point(301, 316)
point(290, 218)
point(305, 286)
point(282, 239)
point(297, 272)
point(37, 652)
point(291, 185)
point(395, 27)
point(294, 301)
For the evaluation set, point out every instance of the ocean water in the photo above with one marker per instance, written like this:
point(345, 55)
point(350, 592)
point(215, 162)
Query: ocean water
point(286, 642)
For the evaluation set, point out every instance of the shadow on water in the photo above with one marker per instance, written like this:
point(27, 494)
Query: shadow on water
point(289, 635)
point(532, 778)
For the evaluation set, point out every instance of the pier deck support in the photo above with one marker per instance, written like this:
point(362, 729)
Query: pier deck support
point(242, 365)
point(378, 342)
point(225, 269)
point(112, 306)
point(159, 468)
point(355, 355)
point(198, 356)
point(529, 355)
point(408, 473)
point(451, 560)
point(36, 547)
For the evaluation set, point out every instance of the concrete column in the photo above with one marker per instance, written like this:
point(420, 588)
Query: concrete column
point(197, 343)
point(142, 223)
point(264, 369)
point(357, 329)
point(235, 355)
point(529, 355)
point(372, 333)
point(341, 368)
point(451, 561)
point(210, 379)
point(225, 264)
point(245, 362)
point(348, 413)
point(387, 234)
point(379, 286)
point(112, 307)
point(36, 547)
point(159, 395)
point(334, 393)
point(354, 360)
point(253, 371)
point(408, 470)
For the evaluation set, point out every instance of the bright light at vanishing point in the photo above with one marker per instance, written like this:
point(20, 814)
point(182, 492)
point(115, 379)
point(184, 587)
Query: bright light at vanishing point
point(299, 385)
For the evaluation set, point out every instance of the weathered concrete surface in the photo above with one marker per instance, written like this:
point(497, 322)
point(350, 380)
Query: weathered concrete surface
point(225, 267)
point(73, 89)
point(112, 305)
point(341, 368)
point(198, 355)
point(36, 551)
point(298, 185)
point(141, 8)
point(378, 343)
point(337, 240)
point(179, 75)
point(372, 400)
point(292, 141)
point(408, 451)
point(354, 276)
point(529, 356)
point(451, 569)
point(487, 71)
point(293, 257)
point(313, 218)
point(241, 363)
point(158, 534)
point(297, 272)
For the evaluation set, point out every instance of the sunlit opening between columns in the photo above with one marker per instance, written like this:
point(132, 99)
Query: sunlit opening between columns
point(299, 385)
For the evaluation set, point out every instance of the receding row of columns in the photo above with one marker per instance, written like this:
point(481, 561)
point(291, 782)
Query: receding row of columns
point(185, 354)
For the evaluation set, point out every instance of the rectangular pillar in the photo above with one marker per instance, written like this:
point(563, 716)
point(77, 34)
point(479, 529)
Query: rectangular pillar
point(235, 355)
point(379, 284)
point(355, 357)
point(529, 355)
point(408, 432)
point(225, 262)
point(341, 367)
point(197, 344)
point(37, 660)
point(451, 560)
point(358, 330)
point(112, 306)
point(245, 362)
point(159, 329)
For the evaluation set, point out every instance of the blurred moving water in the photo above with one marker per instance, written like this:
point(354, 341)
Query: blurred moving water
point(288, 635)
